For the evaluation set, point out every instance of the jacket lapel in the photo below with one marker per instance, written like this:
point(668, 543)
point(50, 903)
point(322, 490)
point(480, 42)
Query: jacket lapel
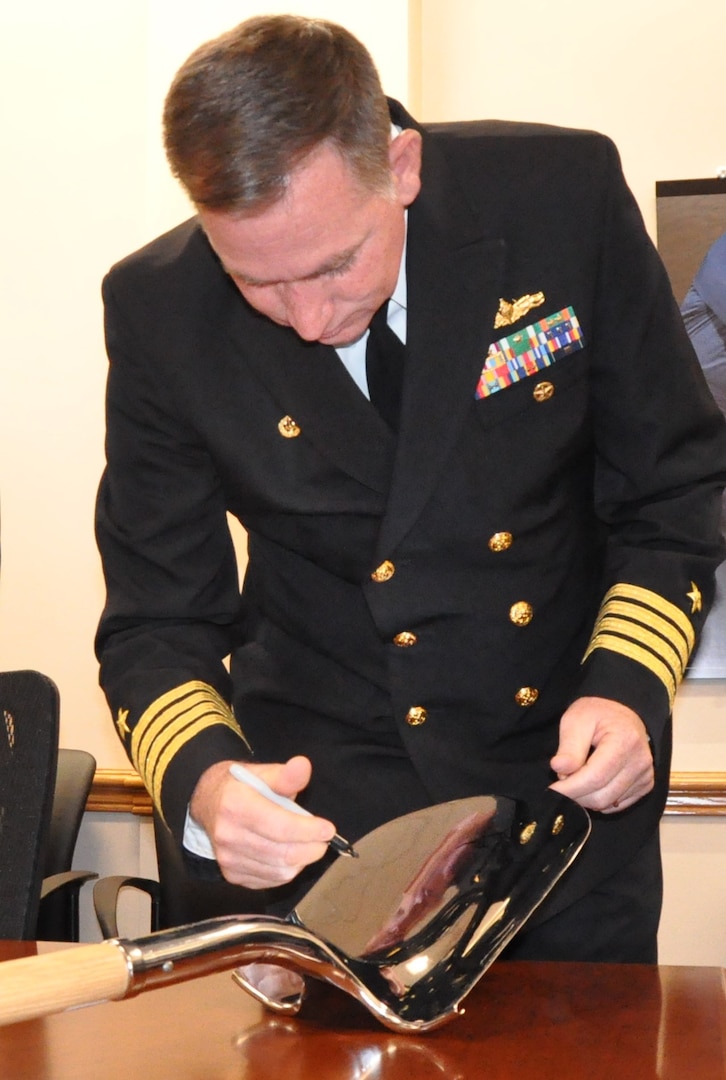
point(453, 278)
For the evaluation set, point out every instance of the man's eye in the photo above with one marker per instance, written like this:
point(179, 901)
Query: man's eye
point(338, 271)
point(243, 283)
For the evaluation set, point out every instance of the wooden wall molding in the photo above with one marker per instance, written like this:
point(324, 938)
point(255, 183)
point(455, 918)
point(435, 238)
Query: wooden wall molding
point(701, 793)
point(120, 791)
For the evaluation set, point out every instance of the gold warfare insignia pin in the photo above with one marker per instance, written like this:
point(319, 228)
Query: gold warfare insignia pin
point(695, 597)
point(510, 311)
point(121, 724)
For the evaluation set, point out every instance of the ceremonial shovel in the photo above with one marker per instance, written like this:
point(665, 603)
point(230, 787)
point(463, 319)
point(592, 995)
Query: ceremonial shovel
point(407, 928)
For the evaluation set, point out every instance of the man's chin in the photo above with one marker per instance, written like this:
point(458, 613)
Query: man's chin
point(342, 339)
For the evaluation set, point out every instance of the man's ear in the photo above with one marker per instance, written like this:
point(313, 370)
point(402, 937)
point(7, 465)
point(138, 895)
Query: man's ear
point(404, 154)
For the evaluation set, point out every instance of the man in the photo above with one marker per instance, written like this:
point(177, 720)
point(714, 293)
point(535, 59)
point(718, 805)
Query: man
point(495, 589)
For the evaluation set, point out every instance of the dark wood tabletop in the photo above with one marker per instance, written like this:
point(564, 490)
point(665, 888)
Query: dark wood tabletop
point(523, 1021)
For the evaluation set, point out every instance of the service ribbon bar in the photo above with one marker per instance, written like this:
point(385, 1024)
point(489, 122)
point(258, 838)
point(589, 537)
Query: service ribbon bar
point(529, 350)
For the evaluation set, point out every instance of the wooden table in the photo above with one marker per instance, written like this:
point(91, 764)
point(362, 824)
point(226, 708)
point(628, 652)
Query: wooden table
point(523, 1021)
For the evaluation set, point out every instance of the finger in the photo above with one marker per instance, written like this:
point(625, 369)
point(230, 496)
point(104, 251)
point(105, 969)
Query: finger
point(260, 843)
point(581, 784)
point(258, 863)
point(263, 811)
point(608, 798)
point(252, 823)
point(615, 793)
point(599, 782)
point(631, 795)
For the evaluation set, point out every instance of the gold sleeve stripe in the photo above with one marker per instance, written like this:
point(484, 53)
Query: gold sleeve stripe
point(176, 733)
point(166, 754)
point(644, 626)
point(169, 723)
point(173, 703)
point(647, 604)
point(636, 652)
point(661, 626)
point(663, 649)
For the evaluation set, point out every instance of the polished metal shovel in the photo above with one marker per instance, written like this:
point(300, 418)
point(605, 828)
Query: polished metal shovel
point(407, 928)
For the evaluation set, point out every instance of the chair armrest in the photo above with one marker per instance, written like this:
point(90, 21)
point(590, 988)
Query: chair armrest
point(69, 879)
point(58, 915)
point(106, 895)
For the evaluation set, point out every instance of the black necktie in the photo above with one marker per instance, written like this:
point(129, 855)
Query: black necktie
point(385, 355)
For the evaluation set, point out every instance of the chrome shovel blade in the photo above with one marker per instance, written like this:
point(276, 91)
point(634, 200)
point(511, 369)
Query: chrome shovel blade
point(411, 925)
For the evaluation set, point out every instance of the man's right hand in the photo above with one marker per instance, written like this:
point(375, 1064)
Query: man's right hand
point(257, 843)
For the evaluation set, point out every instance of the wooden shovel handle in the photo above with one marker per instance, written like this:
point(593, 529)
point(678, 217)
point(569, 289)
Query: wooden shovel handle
point(38, 985)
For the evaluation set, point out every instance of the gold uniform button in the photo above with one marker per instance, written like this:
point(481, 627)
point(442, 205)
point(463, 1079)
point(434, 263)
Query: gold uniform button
point(500, 541)
point(521, 613)
point(526, 696)
point(405, 639)
point(288, 428)
point(384, 572)
point(416, 716)
point(543, 391)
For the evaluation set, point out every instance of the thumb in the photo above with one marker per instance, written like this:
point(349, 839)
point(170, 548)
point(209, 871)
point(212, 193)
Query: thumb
point(290, 779)
point(573, 750)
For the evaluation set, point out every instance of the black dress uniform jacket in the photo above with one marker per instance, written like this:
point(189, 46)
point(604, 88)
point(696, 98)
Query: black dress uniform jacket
point(443, 594)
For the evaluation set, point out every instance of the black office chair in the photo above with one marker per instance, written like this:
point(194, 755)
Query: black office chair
point(176, 898)
point(58, 918)
point(29, 709)
point(43, 794)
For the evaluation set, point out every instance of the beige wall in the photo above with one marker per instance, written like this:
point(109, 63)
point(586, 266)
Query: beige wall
point(84, 181)
point(649, 73)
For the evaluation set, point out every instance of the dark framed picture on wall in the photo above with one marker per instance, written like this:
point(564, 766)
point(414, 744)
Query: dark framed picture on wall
point(691, 222)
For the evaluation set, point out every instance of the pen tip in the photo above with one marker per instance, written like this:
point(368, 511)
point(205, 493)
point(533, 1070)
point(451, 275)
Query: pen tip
point(343, 847)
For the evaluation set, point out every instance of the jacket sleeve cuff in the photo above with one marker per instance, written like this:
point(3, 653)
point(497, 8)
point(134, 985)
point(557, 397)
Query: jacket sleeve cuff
point(638, 652)
point(179, 736)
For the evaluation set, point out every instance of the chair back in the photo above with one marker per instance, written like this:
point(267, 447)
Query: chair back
point(29, 711)
point(58, 914)
point(74, 777)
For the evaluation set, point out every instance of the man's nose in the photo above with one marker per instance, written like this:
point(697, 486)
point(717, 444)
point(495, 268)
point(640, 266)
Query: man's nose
point(308, 309)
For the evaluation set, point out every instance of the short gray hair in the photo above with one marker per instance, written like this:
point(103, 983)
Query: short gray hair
point(248, 107)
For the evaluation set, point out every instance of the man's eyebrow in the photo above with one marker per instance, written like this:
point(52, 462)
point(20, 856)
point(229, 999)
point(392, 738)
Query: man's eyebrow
point(335, 263)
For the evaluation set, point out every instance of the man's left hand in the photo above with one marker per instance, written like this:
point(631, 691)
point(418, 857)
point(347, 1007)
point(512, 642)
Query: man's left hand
point(604, 761)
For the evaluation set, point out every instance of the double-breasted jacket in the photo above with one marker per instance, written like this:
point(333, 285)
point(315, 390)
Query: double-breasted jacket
point(533, 534)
